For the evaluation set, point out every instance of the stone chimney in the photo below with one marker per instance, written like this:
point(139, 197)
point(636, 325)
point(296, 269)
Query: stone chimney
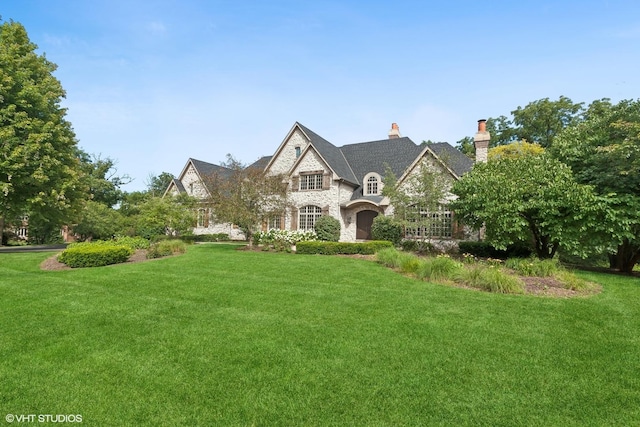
point(394, 132)
point(481, 141)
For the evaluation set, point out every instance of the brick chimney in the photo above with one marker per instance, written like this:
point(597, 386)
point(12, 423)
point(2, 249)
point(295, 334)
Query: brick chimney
point(394, 132)
point(481, 141)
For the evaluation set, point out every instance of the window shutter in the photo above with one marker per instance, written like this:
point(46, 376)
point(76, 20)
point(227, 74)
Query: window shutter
point(326, 181)
point(282, 222)
point(295, 183)
point(325, 211)
point(265, 225)
point(294, 218)
point(206, 217)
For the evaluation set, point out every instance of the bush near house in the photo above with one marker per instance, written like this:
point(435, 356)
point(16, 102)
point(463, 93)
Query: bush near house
point(342, 248)
point(386, 228)
point(327, 228)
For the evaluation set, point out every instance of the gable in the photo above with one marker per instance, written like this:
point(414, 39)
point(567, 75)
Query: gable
point(286, 155)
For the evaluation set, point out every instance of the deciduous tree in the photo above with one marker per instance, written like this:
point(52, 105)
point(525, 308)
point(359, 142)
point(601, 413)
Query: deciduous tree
point(39, 169)
point(604, 151)
point(246, 196)
point(529, 198)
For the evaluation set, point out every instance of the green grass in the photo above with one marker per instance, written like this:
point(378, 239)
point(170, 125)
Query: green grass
point(224, 337)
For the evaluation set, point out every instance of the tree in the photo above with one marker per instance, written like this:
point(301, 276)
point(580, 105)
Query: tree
point(157, 185)
point(604, 151)
point(102, 179)
point(171, 215)
point(40, 173)
point(246, 196)
point(418, 199)
point(529, 198)
point(515, 150)
point(539, 122)
point(98, 221)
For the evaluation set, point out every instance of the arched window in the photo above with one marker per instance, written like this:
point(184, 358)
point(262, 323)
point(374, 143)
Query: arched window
point(372, 185)
point(308, 216)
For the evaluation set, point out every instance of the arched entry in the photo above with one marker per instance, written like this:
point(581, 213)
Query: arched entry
point(364, 220)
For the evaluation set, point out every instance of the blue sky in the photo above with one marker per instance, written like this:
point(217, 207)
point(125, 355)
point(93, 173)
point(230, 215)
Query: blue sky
point(152, 83)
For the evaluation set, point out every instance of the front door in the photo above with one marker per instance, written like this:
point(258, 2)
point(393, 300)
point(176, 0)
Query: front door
point(364, 221)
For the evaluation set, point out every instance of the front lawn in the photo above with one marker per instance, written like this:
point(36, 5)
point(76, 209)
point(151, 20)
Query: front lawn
point(224, 337)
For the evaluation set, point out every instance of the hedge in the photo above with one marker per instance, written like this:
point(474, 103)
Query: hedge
point(485, 250)
point(342, 248)
point(95, 255)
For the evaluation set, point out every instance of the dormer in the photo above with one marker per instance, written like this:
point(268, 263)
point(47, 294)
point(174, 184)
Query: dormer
point(372, 184)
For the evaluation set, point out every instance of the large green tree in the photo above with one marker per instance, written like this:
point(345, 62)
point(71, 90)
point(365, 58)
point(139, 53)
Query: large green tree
point(40, 172)
point(539, 121)
point(526, 198)
point(604, 151)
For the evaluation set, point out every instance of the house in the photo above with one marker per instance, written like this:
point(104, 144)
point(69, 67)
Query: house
point(345, 182)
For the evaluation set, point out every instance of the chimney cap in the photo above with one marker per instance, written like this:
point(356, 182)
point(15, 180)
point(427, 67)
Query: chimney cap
point(395, 131)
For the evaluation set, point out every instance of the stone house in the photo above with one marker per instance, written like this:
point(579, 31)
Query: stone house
point(345, 182)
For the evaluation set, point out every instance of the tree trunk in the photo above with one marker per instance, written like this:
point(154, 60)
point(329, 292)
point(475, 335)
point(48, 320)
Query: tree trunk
point(1, 229)
point(626, 258)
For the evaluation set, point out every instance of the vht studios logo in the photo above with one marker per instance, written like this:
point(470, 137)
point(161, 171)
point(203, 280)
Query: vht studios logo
point(43, 418)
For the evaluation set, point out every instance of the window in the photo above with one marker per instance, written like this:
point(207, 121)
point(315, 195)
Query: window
point(203, 220)
point(430, 225)
point(308, 216)
point(311, 182)
point(191, 189)
point(372, 185)
point(298, 151)
point(275, 223)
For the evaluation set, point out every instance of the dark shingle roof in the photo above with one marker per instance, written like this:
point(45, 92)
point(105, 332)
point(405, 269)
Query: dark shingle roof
point(332, 155)
point(179, 185)
point(353, 161)
point(209, 169)
point(453, 158)
point(375, 156)
point(261, 163)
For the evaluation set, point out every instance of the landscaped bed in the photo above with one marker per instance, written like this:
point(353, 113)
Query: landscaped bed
point(225, 337)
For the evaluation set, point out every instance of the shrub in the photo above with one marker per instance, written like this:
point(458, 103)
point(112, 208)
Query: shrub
point(133, 242)
point(419, 246)
point(533, 266)
point(439, 268)
point(290, 237)
point(166, 248)
point(95, 255)
point(490, 279)
point(389, 257)
point(573, 282)
point(345, 248)
point(327, 228)
point(485, 250)
point(386, 228)
point(409, 263)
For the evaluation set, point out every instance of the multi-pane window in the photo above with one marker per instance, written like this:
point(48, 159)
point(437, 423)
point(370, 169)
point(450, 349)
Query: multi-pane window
point(202, 218)
point(308, 216)
point(311, 182)
point(275, 223)
point(372, 185)
point(430, 225)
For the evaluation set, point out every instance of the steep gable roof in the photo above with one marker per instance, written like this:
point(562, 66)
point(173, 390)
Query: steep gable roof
point(456, 160)
point(205, 169)
point(331, 154)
